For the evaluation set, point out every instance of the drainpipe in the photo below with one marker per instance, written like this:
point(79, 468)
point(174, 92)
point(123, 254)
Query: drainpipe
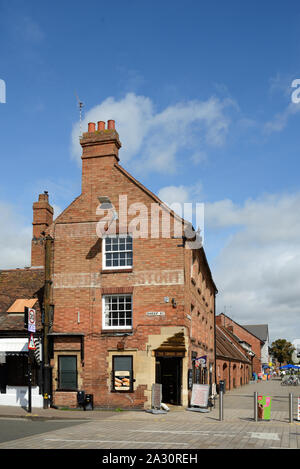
point(215, 345)
point(46, 325)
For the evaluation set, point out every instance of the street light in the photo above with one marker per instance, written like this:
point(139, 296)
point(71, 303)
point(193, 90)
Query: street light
point(106, 204)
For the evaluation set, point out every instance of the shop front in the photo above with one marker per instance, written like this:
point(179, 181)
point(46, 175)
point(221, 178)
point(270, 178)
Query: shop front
point(13, 373)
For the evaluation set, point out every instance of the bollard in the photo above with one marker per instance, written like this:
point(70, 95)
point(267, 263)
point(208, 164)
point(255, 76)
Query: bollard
point(221, 411)
point(255, 406)
point(291, 413)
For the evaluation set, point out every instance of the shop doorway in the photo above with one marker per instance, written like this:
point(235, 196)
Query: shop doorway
point(169, 375)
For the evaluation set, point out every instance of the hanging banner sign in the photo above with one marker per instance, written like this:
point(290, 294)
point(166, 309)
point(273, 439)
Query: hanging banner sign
point(190, 378)
point(201, 361)
point(264, 407)
point(298, 415)
point(31, 344)
point(31, 320)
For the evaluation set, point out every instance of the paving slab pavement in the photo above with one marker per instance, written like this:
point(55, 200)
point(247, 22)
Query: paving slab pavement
point(178, 429)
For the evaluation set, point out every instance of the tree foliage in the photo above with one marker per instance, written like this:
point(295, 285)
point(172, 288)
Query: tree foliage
point(282, 350)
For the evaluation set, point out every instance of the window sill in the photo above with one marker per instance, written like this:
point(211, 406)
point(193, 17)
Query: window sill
point(67, 390)
point(122, 392)
point(116, 271)
point(116, 331)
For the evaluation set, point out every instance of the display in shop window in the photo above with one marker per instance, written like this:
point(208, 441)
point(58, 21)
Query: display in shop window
point(122, 381)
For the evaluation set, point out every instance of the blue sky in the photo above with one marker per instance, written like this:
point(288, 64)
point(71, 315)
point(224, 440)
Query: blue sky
point(207, 89)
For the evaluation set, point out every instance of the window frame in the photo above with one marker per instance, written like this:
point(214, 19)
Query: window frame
point(123, 327)
point(104, 260)
point(60, 388)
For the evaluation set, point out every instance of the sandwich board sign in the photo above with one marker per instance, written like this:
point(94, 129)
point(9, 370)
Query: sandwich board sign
point(156, 395)
point(200, 394)
point(31, 320)
point(31, 344)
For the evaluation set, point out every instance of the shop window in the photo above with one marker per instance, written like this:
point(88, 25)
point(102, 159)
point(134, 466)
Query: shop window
point(67, 372)
point(16, 368)
point(122, 379)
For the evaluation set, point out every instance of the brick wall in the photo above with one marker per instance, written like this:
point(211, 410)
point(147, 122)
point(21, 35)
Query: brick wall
point(42, 219)
point(160, 269)
point(244, 335)
point(235, 374)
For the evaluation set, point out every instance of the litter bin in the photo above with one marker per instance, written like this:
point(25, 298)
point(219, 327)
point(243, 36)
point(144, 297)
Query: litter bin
point(89, 402)
point(222, 386)
point(81, 398)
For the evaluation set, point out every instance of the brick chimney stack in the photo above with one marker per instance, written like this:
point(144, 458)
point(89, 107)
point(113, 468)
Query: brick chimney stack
point(42, 218)
point(100, 151)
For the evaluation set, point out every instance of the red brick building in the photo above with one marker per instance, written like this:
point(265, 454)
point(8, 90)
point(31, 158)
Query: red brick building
point(244, 336)
point(233, 362)
point(129, 309)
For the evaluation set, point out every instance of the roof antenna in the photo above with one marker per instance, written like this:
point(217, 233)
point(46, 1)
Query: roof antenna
point(81, 105)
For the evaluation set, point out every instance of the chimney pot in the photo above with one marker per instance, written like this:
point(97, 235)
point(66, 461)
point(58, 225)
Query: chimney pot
point(43, 197)
point(111, 124)
point(91, 127)
point(101, 125)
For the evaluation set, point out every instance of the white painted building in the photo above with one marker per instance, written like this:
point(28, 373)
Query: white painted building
point(296, 353)
point(20, 289)
point(13, 369)
point(261, 331)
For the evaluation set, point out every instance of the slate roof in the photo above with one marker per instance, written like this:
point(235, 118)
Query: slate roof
point(259, 330)
point(245, 327)
point(19, 284)
point(226, 347)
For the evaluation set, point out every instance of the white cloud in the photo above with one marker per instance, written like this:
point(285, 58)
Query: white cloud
point(257, 268)
point(257, 271)
point(56, 210)
point(152, 140)
point(199, 157)
point(15, 238)
point(174, 194)
point(282, 86)
point(280, 120)
point(183, 199)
